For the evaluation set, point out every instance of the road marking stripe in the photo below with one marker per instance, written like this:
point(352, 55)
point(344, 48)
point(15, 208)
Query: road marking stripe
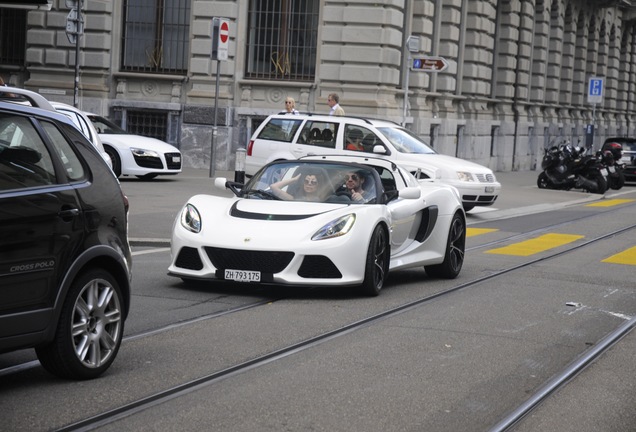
point(471, 232)
point(627, 257)
point(536, 245)
point(610, 203)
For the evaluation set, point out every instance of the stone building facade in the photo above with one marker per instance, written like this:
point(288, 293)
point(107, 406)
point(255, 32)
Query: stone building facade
point(517, 77)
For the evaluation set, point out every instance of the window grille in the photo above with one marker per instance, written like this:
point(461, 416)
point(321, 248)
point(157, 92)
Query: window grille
point(148, 123)
point(12, 36)
point(156, 36)
point(282, 39)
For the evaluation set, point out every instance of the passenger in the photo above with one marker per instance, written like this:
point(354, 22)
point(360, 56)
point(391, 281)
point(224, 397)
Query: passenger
point(314, 187)
point(355, 185)
point(355, 140)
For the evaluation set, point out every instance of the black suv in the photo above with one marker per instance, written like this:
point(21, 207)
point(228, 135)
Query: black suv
point(65, 260)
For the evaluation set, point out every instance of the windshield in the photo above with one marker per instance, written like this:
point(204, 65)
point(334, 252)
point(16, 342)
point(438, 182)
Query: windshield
point(105, 126)
point(405, 141)
point(312, 181)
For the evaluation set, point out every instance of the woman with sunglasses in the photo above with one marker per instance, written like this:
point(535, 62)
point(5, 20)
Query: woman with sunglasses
point(313, 187)
point(290, 106)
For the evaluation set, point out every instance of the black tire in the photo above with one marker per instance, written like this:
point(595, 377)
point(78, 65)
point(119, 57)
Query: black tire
point(543, 182)
point(377, 263)
point(601, 183)
point(116, 161)
point(617, 180)
point(90, 329)
point(454, 256)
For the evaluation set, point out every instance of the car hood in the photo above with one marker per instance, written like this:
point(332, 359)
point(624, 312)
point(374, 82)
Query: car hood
point(442, 165)
point(275, 210)
point(138, 141)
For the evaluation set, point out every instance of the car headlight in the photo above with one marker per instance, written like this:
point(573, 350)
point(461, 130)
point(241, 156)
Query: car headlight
point(143, 153)
point(335, 228)
point(465, 176)
point(190, 218)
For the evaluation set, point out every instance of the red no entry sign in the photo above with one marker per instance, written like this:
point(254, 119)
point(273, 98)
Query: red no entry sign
point(224, 31)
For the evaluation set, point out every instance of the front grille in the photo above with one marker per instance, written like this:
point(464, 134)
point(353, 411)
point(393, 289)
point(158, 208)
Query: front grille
point(318, 266)
point(189, 258)
point(148, 162)
point(485, 178)
point(263, 261)
point(169, 160)
point(486, 198)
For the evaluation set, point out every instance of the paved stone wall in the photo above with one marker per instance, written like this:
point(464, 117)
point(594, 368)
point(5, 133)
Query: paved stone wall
point(517, 76)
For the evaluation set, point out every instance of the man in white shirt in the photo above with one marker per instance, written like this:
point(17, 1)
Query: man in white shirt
point(332, 101)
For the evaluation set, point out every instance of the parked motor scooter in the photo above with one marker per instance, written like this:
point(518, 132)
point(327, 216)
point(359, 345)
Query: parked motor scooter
point(566, 167)
point(610, 155)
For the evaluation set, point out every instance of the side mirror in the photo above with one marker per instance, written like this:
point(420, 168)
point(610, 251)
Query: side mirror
point(219, 183)
point(379, 149)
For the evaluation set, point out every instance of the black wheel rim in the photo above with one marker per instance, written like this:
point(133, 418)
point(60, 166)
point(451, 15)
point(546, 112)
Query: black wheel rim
point(457, 244)
point(380, 257)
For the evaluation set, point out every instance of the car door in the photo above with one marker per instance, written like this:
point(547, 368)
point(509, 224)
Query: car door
point(40, 219)
point(316, 137)
point(406, 214)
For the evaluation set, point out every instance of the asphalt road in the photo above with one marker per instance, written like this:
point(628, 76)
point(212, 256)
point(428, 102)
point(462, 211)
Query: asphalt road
point(457, 363)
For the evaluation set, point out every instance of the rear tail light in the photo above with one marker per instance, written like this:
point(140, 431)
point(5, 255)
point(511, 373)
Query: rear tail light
point(250, 146)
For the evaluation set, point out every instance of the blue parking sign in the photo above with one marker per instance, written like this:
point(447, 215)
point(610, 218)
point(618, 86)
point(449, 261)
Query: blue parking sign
point(595, 90)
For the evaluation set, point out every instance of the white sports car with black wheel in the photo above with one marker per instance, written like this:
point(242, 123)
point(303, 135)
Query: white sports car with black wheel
point(299, 223)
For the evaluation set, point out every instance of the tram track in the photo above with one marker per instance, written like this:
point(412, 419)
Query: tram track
point(180, 390)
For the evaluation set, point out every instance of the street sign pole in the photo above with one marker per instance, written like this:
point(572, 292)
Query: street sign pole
point(594, 96)
point(77, 55)
point(74, 28)
point(413, 46)
point(220, 42)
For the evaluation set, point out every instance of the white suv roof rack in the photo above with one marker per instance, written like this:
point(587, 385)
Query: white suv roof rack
point(14, 94)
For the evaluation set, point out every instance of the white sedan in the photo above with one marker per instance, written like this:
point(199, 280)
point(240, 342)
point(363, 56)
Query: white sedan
point(301, 223)
point(136, 155)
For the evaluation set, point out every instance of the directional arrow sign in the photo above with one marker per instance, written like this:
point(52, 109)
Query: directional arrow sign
point(430, 64)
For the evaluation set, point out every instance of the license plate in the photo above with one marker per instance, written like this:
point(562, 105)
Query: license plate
point(176, 159)
point(489, 189)
point(242, 275)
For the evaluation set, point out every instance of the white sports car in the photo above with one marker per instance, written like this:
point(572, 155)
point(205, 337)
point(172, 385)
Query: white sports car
point(141, 156)
point(303, 222)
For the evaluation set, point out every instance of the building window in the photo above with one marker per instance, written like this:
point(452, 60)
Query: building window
point(148, 123)
point(12, 36)
point(281, 39)
point(156, 36)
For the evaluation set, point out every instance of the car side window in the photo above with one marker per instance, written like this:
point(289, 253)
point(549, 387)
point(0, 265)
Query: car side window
point(319, 133)
point(72, 163)
point(358, 138)
point(24, 159)
point(280, 129)
point(79, 122)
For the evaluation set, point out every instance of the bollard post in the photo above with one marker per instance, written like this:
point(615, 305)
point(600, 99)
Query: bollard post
point(239, 166)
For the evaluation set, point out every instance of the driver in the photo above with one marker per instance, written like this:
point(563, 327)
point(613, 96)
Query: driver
point(355, 183)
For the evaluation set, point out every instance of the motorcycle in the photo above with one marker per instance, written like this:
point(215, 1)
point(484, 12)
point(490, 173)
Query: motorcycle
point(566, 167)
point(610, 155)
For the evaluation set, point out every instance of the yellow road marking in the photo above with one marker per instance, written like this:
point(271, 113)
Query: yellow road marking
point(536, 245)
point(626, 257)
point(610, 203)
point(471, 232)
